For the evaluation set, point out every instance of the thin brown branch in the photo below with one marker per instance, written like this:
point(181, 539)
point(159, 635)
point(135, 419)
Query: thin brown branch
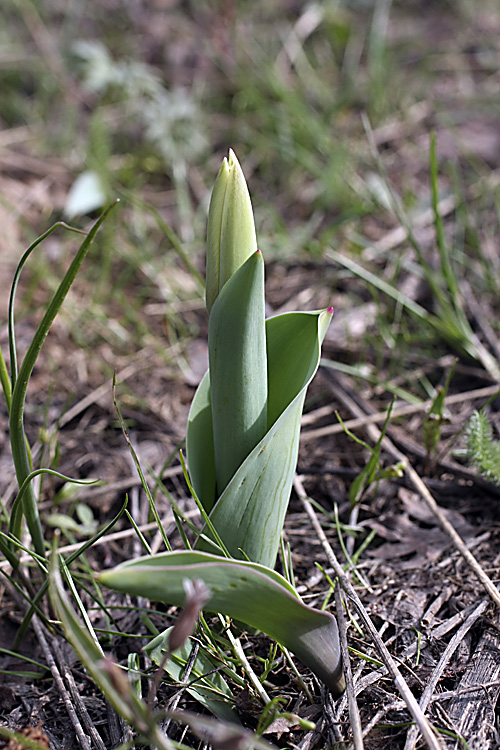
point(401, 685)
point(354, 718)
point(402, 411)
point(80, 707)
point(374, 434)
point(426, 697)
point(81, 737)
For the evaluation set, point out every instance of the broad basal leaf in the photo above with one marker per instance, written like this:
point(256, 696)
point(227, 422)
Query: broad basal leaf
point(248, 592)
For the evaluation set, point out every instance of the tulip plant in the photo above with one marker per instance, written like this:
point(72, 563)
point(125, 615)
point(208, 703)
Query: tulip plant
point(242, 447)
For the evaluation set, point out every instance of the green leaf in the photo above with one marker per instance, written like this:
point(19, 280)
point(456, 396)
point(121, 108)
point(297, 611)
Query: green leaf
point(210, 688)
point(250, 593)
point(20, 453)
point(250, 513)
point(437, 415)
point(200, 445)
point(63, 522)
point(293, 352)
point(238, 369)
point(371, 470)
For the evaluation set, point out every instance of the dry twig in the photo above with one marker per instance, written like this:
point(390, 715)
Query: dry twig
point(380, 416)
point(81, 737)
point(421, 488)
point(438, 670)
point(357, 732)
point(77, 700)
point(401, 685)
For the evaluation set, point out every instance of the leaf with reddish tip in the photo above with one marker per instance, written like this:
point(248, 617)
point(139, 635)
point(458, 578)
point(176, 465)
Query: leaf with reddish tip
point(250, 513)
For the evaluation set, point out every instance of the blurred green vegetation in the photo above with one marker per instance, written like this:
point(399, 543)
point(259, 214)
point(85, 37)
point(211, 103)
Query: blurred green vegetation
point(147, 97)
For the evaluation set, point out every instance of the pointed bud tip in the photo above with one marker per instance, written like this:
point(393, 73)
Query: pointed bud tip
point(231, 158)
point(330, 310)
point(259, 252)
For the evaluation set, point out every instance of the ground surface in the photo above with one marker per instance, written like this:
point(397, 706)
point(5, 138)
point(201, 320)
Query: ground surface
point(326, 105)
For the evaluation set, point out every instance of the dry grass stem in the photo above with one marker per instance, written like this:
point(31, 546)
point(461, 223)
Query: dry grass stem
point(354, 718)
point(421, 720)
point(380, 417)
point(82, 739)
point(397, 455)
point(437, 672)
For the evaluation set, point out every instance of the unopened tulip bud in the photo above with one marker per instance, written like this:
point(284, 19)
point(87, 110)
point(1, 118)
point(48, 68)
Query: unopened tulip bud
point(231, 230)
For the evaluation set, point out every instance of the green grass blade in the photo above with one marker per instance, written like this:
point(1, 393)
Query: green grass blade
point(171, 236)
point(13, 290)
point(207, 686)
point(23, 627)
point(140, 472)
point(215, 541)
point(446, 327)
point(20, 453)
point(248, 592)
point(90, 654)
point(444, 255)
point(451, 303)
point(52, 472)
point(5, 381)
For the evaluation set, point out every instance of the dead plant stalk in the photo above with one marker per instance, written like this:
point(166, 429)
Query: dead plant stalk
point(400, 683)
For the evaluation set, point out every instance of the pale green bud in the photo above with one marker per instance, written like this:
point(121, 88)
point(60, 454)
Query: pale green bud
point(231, 230)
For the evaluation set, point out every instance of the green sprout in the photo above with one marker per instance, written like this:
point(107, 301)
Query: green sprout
point(482, 448)
point(242, 447)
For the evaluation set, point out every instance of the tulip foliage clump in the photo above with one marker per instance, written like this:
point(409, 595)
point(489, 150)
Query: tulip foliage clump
point(242, 447)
